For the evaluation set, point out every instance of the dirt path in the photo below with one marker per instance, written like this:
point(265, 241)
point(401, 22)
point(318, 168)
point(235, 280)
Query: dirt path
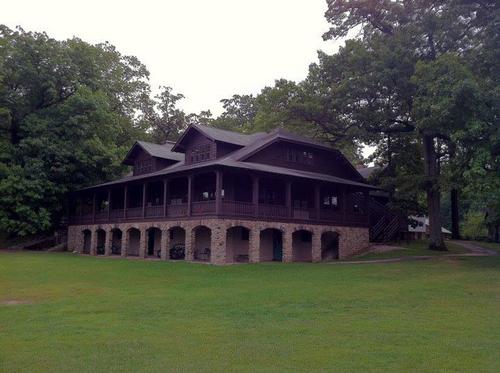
point(473, 248)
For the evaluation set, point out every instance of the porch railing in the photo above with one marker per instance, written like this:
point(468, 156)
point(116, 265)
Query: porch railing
point(154, 211)
point(238, 208)
point(203, 208)
point(134, 212)
point(178, 210)
point(228, 208)
point(273, 211)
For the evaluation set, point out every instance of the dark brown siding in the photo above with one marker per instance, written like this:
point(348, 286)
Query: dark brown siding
point(197, 140)
point(145, 158)
point(323, 161)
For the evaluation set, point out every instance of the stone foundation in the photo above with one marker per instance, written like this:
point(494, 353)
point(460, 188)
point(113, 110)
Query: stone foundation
point(351, 240)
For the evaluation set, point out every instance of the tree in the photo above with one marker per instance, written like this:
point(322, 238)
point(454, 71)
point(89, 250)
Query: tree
point(238, 115)
point(403, 36)
point(66, 119)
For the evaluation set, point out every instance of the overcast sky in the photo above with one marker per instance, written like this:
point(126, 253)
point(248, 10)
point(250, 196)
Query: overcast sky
point(205, 49)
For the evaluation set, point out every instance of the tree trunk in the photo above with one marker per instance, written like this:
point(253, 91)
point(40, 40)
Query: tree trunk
point(433, 194)
point(455, 227)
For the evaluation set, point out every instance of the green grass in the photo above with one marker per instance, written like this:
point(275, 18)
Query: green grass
point(489, 245)
point(99, 314)
point(413, 248)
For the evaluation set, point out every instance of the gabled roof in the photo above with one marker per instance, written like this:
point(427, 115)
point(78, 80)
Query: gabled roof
point(217, 134)
point(155, 150)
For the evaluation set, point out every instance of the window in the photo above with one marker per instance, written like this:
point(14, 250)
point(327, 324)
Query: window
point(330, 201)
point(200, 153)
point(296, 156)
point(143, 166)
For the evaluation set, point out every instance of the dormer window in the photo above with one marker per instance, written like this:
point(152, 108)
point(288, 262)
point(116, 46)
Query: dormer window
point(143, 166)
point(297, 156)
point(200, 153)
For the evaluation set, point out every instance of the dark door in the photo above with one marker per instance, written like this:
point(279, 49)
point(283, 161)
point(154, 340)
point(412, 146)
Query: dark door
point(151, 242)
point(277, 246)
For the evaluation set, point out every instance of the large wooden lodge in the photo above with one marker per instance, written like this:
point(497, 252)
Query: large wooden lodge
point(224, 197)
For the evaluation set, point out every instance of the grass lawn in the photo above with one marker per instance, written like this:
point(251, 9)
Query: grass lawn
point(413, 248)
point(78, 313)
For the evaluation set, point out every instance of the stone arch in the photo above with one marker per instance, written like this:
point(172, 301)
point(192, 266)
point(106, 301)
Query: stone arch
point(116, 241)
point(86, 241)
point(153, 241)
point(202, 243)
point(177, 246)
point(100, 241)
point(237, 244)
point(329, 246)
point(133, 241)
point(271, 244)
point(302, 245)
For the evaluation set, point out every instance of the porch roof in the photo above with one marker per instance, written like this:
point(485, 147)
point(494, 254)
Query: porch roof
point(229, 162)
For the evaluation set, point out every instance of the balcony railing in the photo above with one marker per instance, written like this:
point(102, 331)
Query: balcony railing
point(238, 208)
point(203, 208)
point(178, 210)
point(273, 211)
point(154, 211)
point(228, 208)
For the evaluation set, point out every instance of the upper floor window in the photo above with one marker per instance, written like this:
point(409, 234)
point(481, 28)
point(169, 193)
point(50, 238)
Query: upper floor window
point(143, 166)
point(297, 156)
point(200, 153)
point(330, 201)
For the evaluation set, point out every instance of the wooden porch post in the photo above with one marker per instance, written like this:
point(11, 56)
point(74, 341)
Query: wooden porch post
point(165, 195)
point(125, 201)
point(344, 204)
point(144, 200)
point(289, 198)
point(218, 192)
point(190, 182)
point(255, 194)
point(93, 207)
point(109, 204)
point(317, 201)
point(366, 203)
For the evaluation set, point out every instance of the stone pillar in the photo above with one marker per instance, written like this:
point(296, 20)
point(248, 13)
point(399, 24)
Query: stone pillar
point(93, 242)
point(218, 245)
point(189, 244)
point(142, 243)
point(125, 242)
point(108, 242)
point(165, 244)
point(287, 246)
point(254, 246)
point(316, 246)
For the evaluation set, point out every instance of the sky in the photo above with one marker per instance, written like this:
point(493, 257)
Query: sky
point(205, 49)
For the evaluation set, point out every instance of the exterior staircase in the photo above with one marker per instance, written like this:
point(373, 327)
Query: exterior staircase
point(385, 225)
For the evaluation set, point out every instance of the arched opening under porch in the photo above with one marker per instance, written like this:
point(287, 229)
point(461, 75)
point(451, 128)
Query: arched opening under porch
point(87, 238)
point(271, 245)
point(202, 243)
point(101, 241)
point(237, 244)
point(302, 246)
point(116, 241)
point(329, 246)
point(134, 242)
point(177, 249)
point(153, 244)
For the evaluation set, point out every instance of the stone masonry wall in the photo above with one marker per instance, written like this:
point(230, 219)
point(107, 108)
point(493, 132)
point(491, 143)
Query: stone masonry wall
point(352, 240)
